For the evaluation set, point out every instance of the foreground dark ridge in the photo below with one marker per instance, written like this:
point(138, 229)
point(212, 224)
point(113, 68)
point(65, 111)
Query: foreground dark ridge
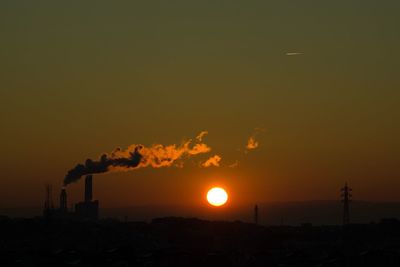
point(192, 242)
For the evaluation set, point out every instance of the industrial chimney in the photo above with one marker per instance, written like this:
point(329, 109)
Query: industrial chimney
point(88, 188)
point(88, 209)
point(48, 203)
point(63, 200)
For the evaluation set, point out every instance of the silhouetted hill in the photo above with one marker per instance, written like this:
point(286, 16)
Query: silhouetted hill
point(274, 213)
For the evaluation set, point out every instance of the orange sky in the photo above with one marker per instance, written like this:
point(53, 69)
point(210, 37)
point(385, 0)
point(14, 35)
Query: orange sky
point(78, 80)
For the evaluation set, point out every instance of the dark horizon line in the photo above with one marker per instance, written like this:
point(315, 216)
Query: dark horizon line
point(241, 205)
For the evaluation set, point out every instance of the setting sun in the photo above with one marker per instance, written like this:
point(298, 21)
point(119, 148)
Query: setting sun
point(217, 196)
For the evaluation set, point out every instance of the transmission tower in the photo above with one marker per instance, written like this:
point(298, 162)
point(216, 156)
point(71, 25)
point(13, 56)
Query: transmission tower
point(346, 199)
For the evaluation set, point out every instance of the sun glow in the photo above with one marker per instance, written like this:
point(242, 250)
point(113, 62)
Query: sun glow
point(217, 196)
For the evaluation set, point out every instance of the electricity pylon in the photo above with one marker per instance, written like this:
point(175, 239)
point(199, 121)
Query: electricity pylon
point(346, 199)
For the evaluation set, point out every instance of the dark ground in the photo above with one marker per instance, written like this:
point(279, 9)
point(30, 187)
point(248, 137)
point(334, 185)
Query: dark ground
point(193, 242)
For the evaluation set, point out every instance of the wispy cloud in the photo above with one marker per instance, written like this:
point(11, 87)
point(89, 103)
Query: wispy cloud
point(213, 161)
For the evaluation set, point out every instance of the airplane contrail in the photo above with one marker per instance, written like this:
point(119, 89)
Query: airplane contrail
point(294, 53)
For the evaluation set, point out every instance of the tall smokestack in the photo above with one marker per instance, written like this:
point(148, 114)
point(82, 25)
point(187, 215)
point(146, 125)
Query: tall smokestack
point(48, 203)
point(63, 200)
point(88, 188)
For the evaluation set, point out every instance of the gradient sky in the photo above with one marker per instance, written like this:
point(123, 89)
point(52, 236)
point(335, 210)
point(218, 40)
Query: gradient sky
point(80, 79)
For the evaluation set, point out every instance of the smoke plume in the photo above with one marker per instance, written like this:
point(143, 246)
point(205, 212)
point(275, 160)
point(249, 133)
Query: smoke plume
point(201, 136)
point(137, 156)
point(234, 165)
point(213, 161)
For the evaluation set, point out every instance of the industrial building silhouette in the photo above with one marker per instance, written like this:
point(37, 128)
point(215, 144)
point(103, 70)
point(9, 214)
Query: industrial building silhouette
point(88, 209)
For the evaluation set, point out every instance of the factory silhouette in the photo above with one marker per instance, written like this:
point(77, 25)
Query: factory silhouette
point(88, 209)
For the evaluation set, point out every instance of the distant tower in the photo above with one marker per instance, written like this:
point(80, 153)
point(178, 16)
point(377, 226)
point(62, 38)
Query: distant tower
point(256, 214)
point(48, 202)
point(88, 188)
point(346, 199)
point(63, 200)
point(88, 209)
